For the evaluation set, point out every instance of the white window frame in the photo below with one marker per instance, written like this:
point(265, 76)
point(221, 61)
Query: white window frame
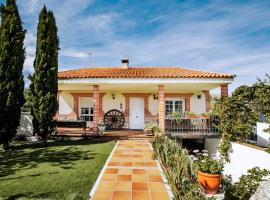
point(174, 100)
point(89, 123)
point(87, 115)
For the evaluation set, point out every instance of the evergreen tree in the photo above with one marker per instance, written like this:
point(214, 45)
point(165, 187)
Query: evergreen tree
point(44, 85)
point(12, 56)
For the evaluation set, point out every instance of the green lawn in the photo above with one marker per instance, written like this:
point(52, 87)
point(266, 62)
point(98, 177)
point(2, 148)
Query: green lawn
point(63, 170)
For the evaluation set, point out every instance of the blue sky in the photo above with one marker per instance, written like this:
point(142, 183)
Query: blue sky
point(223, 36)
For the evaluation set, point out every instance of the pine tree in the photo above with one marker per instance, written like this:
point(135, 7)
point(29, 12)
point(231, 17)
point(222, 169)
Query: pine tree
point(44, 85)
point(12, 56)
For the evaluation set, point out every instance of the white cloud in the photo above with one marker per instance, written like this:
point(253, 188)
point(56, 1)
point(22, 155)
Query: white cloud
point(74, 53)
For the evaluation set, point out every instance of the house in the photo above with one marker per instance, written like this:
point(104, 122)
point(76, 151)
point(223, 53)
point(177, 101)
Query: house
point(142, 94)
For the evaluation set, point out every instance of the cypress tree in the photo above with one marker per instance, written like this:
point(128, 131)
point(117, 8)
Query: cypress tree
point(12, 56)
point(44, 85)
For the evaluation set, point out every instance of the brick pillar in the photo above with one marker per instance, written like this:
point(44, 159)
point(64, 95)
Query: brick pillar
point(75, 113)
point(161, 107)
point(207, 100)
point(187, 104)
point(101, 113)
point(224, 90)
point(96, 108)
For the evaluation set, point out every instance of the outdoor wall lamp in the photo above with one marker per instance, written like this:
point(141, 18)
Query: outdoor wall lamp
point(121, 106)
point(113, 95)
point(155, 96)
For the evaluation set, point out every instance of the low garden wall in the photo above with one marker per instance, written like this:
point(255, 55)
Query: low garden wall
point(26, 126)
point(243, 157)
point(262, 136)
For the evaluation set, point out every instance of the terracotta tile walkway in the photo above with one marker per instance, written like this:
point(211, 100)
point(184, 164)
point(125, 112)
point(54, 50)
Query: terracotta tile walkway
point(131, 174)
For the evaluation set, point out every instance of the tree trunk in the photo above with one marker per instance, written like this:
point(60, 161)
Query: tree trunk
point(6, 145)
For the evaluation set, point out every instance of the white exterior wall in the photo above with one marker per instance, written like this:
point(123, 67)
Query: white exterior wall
point(153, 105)
point(26, 126)
point(197, 105)
point(110, 103)
point(65, 103)
point(262, 136)
point(242, 158)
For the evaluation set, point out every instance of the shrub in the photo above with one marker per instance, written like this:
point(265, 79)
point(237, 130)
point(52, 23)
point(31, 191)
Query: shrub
point(178, 168)
point(246, 186)
point(208, 165)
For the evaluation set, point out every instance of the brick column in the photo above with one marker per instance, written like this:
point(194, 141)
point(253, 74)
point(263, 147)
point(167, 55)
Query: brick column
point(96, 107)
point(161, 107)
point(224, 90)
point(207, 100)
point(75, 113)
point(101, 113)
point(187, 104)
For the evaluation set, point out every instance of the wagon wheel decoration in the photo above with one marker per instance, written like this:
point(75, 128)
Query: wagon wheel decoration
point(114, 119)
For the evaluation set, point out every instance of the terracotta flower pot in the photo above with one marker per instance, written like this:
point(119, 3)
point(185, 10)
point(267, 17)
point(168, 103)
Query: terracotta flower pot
point(209, 182)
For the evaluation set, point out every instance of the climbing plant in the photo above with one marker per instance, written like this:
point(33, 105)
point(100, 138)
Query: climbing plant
point(239, 113)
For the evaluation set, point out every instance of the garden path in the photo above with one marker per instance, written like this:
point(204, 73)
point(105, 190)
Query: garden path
point(131, 174)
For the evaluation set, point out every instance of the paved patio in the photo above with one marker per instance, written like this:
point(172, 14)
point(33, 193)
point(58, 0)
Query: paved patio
point(131, 174)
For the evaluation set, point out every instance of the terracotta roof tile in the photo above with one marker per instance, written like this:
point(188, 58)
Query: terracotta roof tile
point(140, 72)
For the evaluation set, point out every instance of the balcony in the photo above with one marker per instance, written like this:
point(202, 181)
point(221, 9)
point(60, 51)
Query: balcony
point(192, 127)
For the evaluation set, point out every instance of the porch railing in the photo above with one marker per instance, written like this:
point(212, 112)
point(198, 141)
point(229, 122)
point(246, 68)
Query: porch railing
point(196, 124)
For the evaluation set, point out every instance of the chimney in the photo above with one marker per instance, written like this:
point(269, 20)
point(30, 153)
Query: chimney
point(125, 63)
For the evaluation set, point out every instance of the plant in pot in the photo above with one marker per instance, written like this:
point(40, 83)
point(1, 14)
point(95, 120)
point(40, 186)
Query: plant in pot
point(206, 115)
point(101, 127)
point(148, 128)
point(209, 172)
point(191, 115)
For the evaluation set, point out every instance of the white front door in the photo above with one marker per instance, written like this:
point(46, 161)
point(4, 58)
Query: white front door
point(136, 113)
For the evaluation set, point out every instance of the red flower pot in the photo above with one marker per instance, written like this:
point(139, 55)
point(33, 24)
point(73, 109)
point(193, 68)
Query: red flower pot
point(209, 182)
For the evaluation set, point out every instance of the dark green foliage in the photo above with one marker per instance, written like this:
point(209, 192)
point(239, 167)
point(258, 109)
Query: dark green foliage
point(246, 186)
point(178, 168)
point(44, 86)
point(12, 56)
point(27, 105)
point(239, 113)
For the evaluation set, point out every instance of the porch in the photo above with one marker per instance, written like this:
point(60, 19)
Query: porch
point(140, 103)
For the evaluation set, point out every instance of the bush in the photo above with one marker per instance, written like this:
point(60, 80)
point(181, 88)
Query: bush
point(208, 165)
point(178, 168)
point(246, 186)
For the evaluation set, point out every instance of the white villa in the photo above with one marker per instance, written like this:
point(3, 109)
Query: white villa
point(140, 93)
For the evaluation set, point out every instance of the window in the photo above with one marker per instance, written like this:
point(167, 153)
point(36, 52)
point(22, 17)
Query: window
point(87, 114)
point(172, 106)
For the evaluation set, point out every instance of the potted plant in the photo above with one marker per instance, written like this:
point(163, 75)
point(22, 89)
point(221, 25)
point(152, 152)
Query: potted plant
point(148, 128)
point(101, 128)
point(206, 115)
point(209, 172)
point(191, 115)
point(151, 128)
point(177, 116)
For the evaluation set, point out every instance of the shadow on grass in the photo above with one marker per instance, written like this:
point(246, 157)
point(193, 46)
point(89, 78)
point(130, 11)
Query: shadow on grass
point(30, 195)
point(63, 154)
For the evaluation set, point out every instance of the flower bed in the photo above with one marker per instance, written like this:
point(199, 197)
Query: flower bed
point(178, 168)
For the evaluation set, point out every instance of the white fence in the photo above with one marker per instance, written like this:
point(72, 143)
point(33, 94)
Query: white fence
point(26, 126)
point(245, 157)
point(262, 136)
point(242, 158)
